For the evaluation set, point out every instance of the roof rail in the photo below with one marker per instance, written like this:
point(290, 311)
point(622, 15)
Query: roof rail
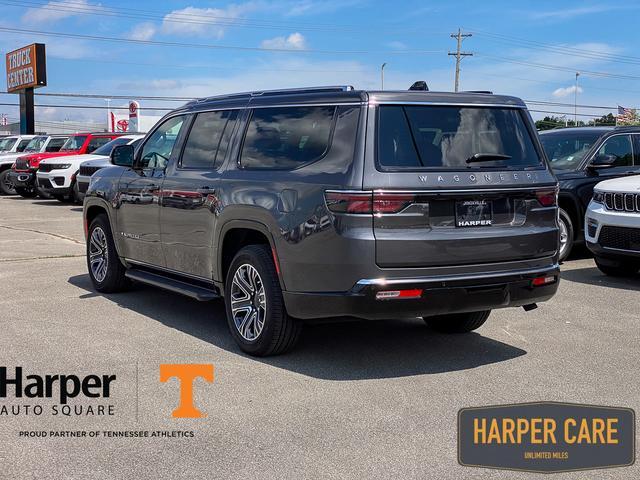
point(282, 91)
point(489, 92)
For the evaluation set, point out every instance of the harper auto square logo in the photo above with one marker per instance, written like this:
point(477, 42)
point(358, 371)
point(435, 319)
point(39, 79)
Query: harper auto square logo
point(186, 375)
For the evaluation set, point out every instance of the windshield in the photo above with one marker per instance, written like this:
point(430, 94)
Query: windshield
point(454, 137)
point(107, 147)
point(7, 143)
point(35, 144)
point(73, 143)
point(567, 149)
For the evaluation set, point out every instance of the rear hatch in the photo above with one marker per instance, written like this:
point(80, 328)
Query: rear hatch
point(458, 185)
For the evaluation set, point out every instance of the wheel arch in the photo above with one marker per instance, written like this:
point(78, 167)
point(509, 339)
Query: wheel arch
point(237, 234)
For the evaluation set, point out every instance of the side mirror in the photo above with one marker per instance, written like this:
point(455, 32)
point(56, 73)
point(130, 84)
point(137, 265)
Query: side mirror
point(603, 161)
point(122, 155)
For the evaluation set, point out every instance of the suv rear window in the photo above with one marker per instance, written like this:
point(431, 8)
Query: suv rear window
point(284, 138)
point(445, 137)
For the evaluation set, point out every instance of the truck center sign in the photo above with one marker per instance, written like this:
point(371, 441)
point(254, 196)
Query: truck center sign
point(26, 68)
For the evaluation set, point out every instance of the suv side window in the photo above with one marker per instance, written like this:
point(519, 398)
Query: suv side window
point(204, 149)
point(157, 150)
point(55, 144)
point(620, 147)
point(97, 142)
point(283, 138)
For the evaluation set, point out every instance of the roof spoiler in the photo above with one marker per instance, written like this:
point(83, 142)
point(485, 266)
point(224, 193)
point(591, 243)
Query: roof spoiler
point(420, 85)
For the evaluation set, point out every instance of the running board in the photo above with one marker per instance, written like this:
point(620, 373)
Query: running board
point(199, 293)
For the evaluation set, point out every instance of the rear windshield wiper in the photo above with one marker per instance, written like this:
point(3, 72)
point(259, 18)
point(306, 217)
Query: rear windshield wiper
point(487, 157)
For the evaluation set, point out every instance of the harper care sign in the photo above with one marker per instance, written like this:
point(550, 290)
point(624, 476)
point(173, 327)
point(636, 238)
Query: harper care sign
point(26, 68)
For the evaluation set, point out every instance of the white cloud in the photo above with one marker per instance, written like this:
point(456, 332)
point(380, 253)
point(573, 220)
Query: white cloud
point(566, 91)
point(142, 31)
point(397, 45)
point(59, 10)
point(295, 41)
point(203, 22)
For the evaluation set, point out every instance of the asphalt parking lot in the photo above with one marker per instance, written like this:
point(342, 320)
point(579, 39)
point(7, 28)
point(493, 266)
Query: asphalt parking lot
point(354, 400)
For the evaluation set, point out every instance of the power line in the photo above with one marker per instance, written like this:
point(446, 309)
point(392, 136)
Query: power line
point(210, 46)
point(559, 49)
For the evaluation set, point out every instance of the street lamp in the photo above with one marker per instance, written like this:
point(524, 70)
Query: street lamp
point(575, 101)
point(382, 75)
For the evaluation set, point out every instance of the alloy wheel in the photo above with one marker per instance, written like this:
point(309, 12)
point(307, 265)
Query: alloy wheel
point(248, 302)
point(98, 254)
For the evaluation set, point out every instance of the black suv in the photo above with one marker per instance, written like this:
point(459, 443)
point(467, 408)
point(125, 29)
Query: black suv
point(582, 157)
point(329, 202)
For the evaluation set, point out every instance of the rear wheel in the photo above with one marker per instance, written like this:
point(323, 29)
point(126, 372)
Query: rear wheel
point(615, 268)
point(26, 192)
point(105, 268)
point(256, 313)
point(566, 234)
point(458, 322)
point(6, 186)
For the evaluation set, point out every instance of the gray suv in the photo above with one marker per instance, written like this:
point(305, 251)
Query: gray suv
point(330, 202)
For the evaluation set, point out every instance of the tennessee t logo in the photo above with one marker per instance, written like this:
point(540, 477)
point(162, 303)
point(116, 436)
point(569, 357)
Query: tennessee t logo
point(186, 374)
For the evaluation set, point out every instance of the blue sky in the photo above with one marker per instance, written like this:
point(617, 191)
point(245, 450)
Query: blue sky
point(329, 42)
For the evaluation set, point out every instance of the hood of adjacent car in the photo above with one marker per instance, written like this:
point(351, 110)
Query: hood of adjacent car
point(620, 185)
point(97, 161)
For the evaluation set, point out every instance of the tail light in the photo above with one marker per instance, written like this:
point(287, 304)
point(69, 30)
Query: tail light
point(547, 198)
point(367, 202)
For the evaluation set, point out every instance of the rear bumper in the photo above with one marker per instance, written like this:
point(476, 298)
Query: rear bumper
point(440, 295)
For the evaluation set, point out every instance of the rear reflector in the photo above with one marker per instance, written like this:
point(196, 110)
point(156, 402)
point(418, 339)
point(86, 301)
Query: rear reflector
point(540, 281)
point(547, 198)
point(395, 294)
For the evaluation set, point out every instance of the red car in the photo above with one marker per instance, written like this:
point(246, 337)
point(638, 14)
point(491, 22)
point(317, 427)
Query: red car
point(23, 175)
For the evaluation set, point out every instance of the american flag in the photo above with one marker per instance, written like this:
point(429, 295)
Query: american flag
point(626, 116)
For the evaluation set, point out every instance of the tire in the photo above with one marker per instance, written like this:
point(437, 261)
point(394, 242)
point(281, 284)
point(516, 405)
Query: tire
point(44, 195)
point(567, 234)
point(6, 187)
point(458, 322)
point(251, 272)
point(108, 277)
point(614, 268)
point(26, 192)
point(75, 195)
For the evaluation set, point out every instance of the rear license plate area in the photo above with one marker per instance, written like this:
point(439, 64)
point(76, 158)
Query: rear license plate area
point(474, 213)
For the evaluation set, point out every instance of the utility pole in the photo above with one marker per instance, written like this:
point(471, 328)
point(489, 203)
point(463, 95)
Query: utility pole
point(575, 101)
point(382, 76)
point(458, 54)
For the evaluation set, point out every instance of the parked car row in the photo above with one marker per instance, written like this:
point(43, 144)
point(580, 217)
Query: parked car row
point(328, 202)
point(49, 165)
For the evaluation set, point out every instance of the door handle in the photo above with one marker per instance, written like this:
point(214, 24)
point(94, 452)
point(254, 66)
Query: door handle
point(206, 190)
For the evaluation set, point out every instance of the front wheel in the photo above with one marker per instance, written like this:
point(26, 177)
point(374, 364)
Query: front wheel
point(6, 186)
point(75, 195)
point(617, 268)
point(26, 192)
point(458, 322)
point(256, 314)
point(105, 268)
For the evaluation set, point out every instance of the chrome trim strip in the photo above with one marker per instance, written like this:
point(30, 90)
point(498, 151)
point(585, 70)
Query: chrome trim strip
point(293, 105)
point(452, 278)
point(453, 104)
point(488, 189)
